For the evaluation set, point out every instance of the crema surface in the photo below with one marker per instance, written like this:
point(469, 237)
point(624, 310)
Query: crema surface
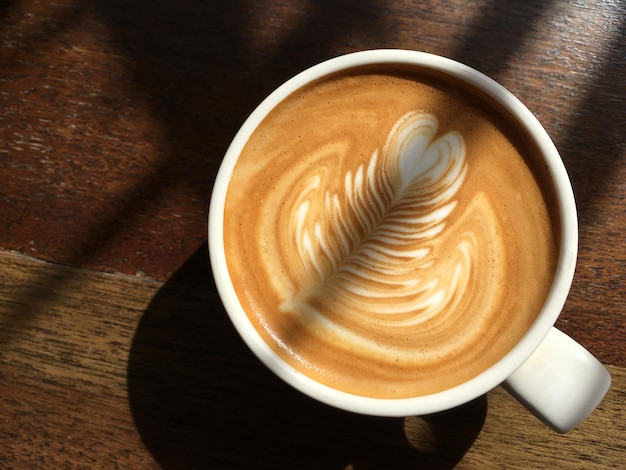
point(385, 234)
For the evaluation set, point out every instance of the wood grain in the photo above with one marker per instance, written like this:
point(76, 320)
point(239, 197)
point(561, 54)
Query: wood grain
point(112, 371)
point(115, 351)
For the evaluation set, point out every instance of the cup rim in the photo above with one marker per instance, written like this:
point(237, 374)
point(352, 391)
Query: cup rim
point(488, 379)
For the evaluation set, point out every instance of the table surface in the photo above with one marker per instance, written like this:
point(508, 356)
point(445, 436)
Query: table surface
point(115, 351)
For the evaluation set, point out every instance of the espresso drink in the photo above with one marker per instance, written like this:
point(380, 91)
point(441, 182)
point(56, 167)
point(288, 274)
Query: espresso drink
point(387, 234)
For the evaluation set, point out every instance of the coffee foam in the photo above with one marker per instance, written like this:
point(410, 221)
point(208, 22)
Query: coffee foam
point(385, 236)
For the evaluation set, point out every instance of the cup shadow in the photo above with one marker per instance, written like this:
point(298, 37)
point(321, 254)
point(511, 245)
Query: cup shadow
point(200, 399)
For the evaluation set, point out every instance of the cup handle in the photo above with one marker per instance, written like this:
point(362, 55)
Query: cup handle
point(561, 383)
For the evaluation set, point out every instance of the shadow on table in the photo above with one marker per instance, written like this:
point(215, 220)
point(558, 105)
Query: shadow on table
point(200, 399)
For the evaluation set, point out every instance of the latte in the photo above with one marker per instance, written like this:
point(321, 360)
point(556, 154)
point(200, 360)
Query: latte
point(388, 233)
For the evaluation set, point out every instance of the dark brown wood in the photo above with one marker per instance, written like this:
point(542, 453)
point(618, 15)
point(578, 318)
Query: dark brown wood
point(114, 116)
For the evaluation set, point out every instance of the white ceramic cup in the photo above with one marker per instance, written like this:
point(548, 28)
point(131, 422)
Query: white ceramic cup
point(551, 374)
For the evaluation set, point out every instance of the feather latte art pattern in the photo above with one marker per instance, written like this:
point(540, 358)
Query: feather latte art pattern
point(369, 251)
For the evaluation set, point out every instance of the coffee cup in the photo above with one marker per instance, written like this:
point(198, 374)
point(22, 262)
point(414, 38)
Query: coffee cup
point(393, 233)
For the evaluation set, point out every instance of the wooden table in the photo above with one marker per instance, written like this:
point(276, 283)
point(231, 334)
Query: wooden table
point(115, 351)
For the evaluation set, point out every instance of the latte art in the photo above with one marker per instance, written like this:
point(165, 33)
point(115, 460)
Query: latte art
point(386, 236)
point(367, 256)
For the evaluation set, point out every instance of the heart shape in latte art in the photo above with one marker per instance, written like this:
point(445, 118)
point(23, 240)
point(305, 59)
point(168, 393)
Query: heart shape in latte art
point(364, 255)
